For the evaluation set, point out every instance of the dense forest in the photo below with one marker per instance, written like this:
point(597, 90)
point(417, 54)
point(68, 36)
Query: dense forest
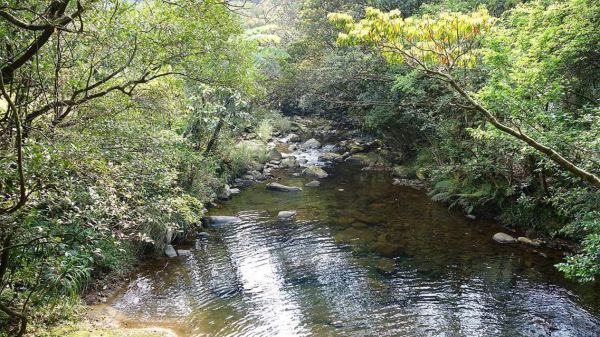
point(121, 121)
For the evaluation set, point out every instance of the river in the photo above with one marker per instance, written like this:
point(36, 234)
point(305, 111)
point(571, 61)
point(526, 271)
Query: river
point(361, 258)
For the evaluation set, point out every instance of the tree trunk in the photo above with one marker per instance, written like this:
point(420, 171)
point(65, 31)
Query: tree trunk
point(215, 135)
point(548, 151)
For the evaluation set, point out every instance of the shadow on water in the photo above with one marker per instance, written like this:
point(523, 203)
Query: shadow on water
point(371, 260)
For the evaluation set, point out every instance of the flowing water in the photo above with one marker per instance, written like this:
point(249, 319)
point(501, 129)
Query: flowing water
point(361, 258)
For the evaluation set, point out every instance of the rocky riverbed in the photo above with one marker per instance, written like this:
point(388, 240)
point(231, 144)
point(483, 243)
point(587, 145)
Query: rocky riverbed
point(330, 235)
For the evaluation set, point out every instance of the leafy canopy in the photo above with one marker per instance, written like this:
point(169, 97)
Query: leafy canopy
point(447, 40)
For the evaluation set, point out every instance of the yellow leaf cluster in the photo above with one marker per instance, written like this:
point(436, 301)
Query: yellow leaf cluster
point(448, 39)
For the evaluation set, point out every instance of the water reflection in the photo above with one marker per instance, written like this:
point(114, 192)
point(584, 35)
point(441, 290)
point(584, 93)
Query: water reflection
point(374, 260)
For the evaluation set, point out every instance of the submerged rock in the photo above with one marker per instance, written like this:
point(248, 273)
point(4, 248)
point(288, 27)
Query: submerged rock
point(315, 171)
point(222, 220)
point(170, 251)
point(314, 183)
point(386, 264)
point(528, 241)
point(311, 144)
point(284, 215)
point(413, 183)
point(503, 238)
point(282, 188)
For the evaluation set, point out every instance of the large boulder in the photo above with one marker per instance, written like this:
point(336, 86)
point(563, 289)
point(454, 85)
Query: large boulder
point(222, 220)
point(311, 144)
point(282, 188)
point(315, 171)
point(503, 238)
point(285, 215)
point(274, 155)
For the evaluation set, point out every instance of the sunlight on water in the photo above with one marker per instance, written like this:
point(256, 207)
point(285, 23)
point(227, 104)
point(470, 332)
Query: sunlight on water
point(373, 260)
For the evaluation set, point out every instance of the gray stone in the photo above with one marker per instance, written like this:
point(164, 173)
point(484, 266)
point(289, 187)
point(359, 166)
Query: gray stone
point(282, 188)
point(314, 183)
point(528, 241)
point(274, 155)
point(289, 162)
point(184, 252)
point(254, 166)
point(170, 251)
point(222, 220)
point(330, 156)
point(311, 144)
point(202, 235)
point(358, 158)
point(292, 138)
point(284, 215)
point(256, 175)
point(503, 238)
point(224, 193)
point(315, 171)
